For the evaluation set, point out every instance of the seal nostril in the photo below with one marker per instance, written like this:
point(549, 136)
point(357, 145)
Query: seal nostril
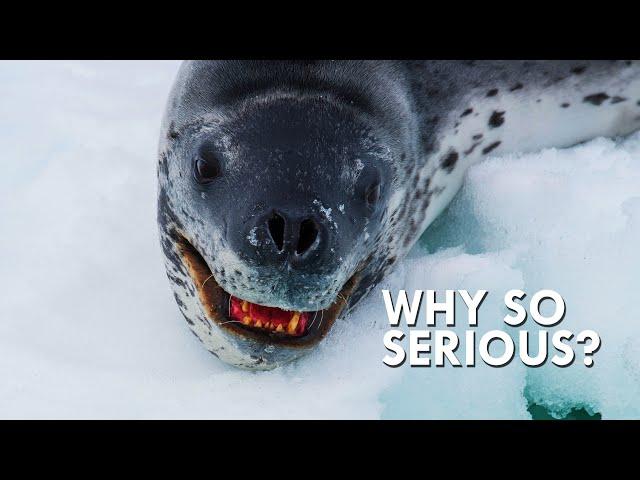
point(276, 230)
point(308, 235)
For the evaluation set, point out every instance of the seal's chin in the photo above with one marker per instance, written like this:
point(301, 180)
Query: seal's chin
point(259, 322)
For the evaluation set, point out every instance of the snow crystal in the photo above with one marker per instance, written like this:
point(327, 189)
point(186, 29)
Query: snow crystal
point(253, 240)
point(326, 212)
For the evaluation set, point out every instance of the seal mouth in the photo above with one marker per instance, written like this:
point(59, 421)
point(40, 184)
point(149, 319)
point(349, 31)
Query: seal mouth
point(260, 322)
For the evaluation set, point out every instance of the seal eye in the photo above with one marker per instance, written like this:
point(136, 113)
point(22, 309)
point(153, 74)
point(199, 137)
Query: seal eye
point(207, 166)
point(372, 194)
point(369, 186)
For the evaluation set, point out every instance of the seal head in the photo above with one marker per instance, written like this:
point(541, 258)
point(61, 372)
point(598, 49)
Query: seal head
point(272, 202)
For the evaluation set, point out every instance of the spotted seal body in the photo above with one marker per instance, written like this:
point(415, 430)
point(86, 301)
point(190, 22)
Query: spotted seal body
point(287, 190)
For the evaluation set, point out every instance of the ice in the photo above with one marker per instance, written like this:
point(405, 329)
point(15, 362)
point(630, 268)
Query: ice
point(448, 392)
point(89, 328)
point(571, 218)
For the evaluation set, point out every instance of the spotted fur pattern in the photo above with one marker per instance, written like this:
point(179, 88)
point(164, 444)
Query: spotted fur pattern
point(441, 117)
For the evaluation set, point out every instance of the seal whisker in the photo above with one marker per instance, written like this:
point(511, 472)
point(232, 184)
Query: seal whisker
point(314, 319)
point(229, 321)
point(208, 278)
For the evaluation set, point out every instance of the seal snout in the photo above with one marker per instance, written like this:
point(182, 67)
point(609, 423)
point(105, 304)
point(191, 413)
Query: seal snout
point(284, 238)
point(302, 238)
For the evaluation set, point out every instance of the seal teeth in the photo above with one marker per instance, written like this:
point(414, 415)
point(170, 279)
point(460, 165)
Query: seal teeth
point(268, 318)
point(293, 323)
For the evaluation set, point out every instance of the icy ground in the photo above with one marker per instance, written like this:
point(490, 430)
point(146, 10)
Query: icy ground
point(89, 328)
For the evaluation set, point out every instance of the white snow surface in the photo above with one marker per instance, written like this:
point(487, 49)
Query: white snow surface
point(89, 328)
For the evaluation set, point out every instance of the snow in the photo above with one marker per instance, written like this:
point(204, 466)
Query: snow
point(89, 328)
point(253, 239)
point(326, 212)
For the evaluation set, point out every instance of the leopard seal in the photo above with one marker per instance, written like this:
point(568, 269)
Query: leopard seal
point(288, 189)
